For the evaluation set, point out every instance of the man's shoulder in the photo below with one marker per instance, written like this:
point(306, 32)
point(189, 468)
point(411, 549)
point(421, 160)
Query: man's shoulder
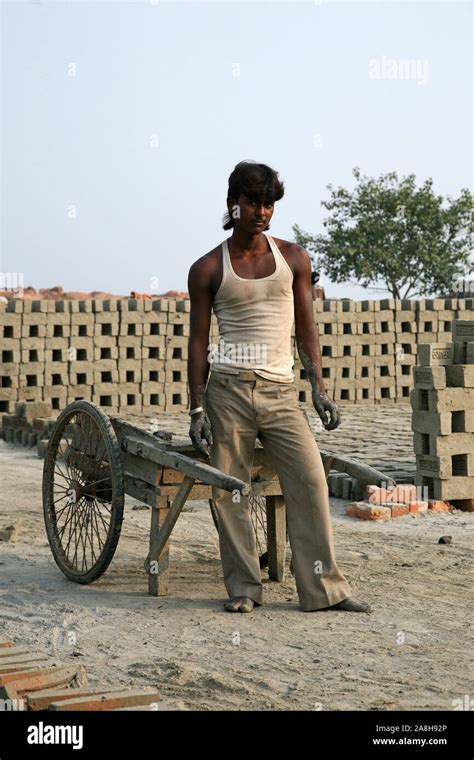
point(294, 254)
point(207, 262)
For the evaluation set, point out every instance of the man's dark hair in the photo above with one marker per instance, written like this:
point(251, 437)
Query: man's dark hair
point(255, 181)
point(314, 277)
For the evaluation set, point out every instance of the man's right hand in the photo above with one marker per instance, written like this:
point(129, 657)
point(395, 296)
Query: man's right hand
point(200, 433)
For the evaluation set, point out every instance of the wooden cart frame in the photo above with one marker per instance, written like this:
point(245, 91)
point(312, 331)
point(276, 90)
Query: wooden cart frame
point(93, 461)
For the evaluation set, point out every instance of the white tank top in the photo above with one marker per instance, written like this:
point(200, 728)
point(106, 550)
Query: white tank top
point(255, 318)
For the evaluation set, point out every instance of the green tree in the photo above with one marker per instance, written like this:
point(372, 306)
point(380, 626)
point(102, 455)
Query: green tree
point(389, 231)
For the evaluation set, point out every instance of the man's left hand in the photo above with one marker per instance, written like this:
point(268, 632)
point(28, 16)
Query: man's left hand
point(327, 410)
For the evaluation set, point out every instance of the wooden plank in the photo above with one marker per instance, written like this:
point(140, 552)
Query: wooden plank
point(328, 463)
point(158, 574)
point(262, 464)
point(198, 492)
point(358, 470)
point(276, 537)
point(196, 470)
point(262, 467)
point(124, 430)
point(140, 490)
point(170, 520)
point(172, 476)
point(268, 488)
point(138, 467)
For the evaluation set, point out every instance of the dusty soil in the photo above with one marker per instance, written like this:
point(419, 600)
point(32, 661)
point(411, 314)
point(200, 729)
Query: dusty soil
point(412, 653)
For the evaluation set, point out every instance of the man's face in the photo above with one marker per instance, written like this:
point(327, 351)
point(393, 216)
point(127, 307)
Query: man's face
point(251, 215)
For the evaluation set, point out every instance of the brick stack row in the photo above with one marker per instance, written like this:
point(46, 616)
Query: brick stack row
point(369, 348)
point(125, 355)
point(130, 355)
point(443, 416)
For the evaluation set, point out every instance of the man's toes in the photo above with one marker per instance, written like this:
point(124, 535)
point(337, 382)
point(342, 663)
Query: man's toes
point(246, 605)
point(239, 604)
point(352, 605)
point(232, 606)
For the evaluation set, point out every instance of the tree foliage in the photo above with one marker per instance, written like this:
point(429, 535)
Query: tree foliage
point(389, 231)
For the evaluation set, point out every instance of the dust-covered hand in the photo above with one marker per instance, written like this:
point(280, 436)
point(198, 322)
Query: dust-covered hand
point(200, 433)
point(327, 410)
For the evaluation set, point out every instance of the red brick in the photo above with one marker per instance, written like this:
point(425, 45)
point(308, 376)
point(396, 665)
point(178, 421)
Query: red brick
point(40, 700)
point(439, 506)
point(13, 672)
point(376, 495)
point(24, 659)
point(138, 708)
point(399, 510)
point(12, 651)
point(108, 701)
point(401, 494)
point(365, 511)
point(419, 506)
point(42, 678)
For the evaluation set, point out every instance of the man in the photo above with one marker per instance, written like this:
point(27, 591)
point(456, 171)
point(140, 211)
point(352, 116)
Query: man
point(257, 286)
point(318, 290)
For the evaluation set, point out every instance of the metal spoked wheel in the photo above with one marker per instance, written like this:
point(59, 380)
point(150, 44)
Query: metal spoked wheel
point(83, 492)
point(258, 515)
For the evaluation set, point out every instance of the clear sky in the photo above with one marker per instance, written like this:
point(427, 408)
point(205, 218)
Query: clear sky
point(121, 122)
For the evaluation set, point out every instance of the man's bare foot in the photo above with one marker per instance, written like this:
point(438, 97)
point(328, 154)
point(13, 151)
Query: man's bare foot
point(240, 604)
point(351, 605)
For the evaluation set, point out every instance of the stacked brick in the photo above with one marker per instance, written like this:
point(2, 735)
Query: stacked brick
point(34, 680)
point(130, 355)
point(443, 416)
point(31, 423)
point(125, 355)
point(369, 348)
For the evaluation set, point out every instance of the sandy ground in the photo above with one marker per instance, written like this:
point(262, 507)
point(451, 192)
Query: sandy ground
point(413, 653)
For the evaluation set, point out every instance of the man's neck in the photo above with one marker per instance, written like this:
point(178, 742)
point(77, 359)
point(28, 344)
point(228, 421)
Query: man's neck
point(248, 241)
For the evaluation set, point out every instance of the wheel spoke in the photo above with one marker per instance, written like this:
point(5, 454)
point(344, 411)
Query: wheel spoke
point(102, 519)
point(78, 518)
point(258, 517)
point(83, 491)
point(71, 519)
point(97, 531)
point(61, 474)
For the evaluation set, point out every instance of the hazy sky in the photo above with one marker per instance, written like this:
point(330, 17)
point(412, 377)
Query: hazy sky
point(121, 122)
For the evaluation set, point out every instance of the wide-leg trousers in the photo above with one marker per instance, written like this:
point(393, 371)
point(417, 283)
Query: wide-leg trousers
point(239, 410)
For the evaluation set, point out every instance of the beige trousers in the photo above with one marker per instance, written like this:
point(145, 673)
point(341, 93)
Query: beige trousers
point(239, 410)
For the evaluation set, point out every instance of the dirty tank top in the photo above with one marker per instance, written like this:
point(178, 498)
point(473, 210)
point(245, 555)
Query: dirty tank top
point(255, 318)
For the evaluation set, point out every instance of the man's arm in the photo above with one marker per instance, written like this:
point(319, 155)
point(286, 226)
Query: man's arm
point(198, 346)
point(307, 339)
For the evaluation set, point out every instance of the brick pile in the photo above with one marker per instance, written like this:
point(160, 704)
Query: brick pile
point(443, 417)
point(36, 681)
point(30, 425)
point(404, 499)
point(125, 355)
point(442, 402)
point(369, 348)
point(130, 355)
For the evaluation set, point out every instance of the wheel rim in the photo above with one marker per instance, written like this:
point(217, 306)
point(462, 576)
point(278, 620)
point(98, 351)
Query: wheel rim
point(84, 497)
point(258, 516)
